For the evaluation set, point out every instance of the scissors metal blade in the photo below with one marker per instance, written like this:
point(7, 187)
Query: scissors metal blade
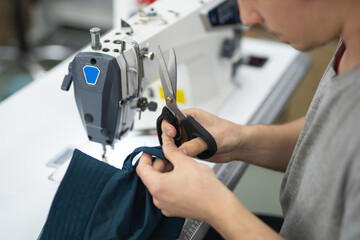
point(172, 69)
point(167, 84)
point(164, 76)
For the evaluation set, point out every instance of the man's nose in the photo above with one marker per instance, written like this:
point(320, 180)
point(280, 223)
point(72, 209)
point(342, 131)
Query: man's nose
point(248, 13)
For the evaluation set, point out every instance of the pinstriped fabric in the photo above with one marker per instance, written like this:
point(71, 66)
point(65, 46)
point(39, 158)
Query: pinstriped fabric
point(98, 201)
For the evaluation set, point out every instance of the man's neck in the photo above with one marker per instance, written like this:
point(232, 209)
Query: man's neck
point(351, 37)
point(350, 59)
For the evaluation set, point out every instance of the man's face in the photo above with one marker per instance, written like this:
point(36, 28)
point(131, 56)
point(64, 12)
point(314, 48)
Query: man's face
point(305, 24)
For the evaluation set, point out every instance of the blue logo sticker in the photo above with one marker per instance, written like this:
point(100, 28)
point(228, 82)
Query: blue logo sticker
point(91, 74)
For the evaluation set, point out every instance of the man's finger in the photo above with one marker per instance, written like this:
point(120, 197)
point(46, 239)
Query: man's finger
point(167, 128)
point(146, 171)
point(167, 139)
point(171, 152)
point(159, 165)
point(194, 147)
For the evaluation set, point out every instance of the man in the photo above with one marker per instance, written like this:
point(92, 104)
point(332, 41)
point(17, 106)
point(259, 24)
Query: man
point(320, 154)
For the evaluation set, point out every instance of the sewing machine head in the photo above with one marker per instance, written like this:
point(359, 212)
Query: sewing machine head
point(111, 74)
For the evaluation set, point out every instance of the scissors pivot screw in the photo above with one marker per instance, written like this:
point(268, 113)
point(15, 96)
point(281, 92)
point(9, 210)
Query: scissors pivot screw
point(169, 99)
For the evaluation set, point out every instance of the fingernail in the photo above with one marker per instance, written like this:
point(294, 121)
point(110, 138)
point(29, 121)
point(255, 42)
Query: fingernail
point(169, 133)
point(184, 151)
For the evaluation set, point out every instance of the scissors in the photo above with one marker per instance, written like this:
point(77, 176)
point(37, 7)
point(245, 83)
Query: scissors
point(171, 112)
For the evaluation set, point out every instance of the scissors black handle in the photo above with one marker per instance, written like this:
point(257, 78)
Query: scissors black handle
point(193, 129)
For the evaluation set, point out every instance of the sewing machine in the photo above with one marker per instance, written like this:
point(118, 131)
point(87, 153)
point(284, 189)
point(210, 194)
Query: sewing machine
point(116, 77)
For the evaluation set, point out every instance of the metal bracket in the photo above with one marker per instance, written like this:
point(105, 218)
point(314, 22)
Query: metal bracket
point(140, 67)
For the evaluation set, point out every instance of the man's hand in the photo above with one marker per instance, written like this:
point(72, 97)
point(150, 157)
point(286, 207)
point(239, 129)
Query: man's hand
point(187, 188)
point(226, 134)
point(191, 190)
point(268, 146)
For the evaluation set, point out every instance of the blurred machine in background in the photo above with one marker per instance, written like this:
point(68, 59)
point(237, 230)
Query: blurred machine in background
point(79, 13)
point(38, 34)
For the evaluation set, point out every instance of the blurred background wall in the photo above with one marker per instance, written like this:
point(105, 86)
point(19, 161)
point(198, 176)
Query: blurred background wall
point(38, 34)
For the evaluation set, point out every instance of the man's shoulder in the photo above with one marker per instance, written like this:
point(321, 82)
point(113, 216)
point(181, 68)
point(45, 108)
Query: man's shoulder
point(344, 94)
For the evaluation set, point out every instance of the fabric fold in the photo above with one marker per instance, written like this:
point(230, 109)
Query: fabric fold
point(98, 201)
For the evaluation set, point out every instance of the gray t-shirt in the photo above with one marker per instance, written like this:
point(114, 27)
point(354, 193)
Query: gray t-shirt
point(320, 193)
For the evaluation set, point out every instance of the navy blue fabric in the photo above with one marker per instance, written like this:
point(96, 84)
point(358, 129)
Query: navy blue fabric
point(98, 201)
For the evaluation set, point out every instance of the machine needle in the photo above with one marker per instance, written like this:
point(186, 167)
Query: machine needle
point(104, 154)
